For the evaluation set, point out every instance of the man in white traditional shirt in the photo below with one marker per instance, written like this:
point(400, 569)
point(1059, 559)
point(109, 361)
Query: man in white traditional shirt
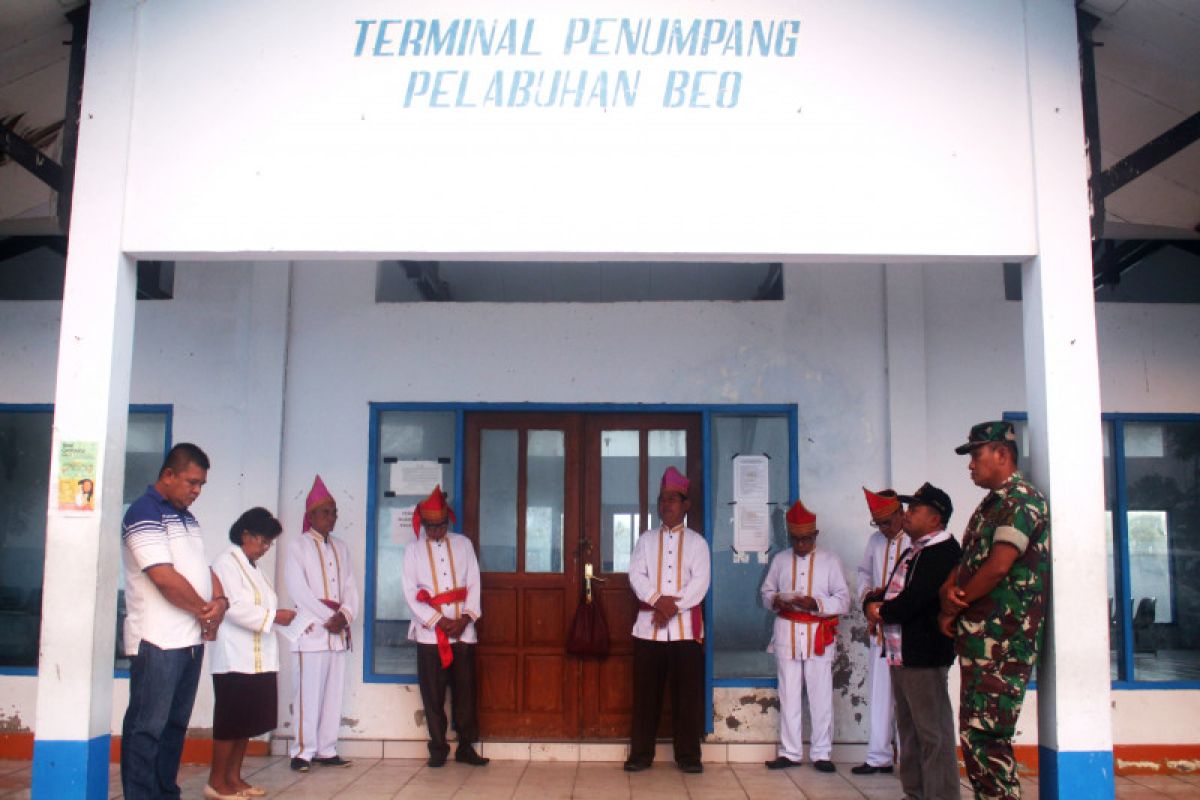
point(320, 581)
point(441, 586)
point(807, 590)
point(883, 550)
point(669, 571)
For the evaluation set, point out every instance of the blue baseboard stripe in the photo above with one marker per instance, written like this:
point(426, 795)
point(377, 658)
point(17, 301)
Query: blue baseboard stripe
point(71, 769)
point(1073, 775)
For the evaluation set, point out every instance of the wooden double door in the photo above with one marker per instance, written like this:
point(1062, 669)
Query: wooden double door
point(545, 495)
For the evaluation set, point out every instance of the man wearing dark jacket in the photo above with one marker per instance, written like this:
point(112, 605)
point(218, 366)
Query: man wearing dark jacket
point(918, 654)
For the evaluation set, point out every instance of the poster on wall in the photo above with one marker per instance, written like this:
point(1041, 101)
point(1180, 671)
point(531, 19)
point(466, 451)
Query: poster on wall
point(402, 525)
point(77, 477)
point(752, 528)
point(414, 478)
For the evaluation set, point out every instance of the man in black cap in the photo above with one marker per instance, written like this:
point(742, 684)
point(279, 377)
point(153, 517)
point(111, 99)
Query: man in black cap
point(918, 654)
point(994, 603)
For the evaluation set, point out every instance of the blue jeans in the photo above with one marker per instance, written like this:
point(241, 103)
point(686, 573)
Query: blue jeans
point(162, 689)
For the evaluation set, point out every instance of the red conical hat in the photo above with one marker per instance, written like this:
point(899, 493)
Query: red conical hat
point(800, 519)
point(433, 510)
point(882, 505)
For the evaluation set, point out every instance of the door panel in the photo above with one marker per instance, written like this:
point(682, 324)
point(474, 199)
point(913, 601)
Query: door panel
point(618, 447)
point(521, 491)
point(546, 494)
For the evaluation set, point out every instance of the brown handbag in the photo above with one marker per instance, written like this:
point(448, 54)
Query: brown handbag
point(589, 631)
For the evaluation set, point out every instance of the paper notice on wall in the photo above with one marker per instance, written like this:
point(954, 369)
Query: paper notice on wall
point(415, 478)
point(751, 479)
point(401, 525)
point(751, 527)
point(77, 482)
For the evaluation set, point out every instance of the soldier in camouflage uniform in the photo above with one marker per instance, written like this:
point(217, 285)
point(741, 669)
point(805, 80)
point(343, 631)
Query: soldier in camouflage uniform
point(994, 605)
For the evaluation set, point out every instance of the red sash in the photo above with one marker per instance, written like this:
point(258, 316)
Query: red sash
point(697, 614)
point(826, 628)
point(445, 653)
point(335, 607)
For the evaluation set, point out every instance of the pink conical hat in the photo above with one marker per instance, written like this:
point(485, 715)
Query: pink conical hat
point(675, 481)
point(318, 495)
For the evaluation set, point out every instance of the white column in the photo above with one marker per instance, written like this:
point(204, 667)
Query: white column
point(1062, 381)
point(75, 666)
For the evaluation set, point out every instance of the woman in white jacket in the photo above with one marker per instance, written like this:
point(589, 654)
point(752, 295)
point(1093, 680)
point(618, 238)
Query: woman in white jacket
point(244, 657)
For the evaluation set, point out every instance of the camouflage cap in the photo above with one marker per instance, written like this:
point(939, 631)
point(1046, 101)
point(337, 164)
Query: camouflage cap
point(995, 431)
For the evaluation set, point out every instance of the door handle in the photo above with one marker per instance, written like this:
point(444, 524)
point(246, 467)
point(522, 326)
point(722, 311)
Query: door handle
point(589, 575)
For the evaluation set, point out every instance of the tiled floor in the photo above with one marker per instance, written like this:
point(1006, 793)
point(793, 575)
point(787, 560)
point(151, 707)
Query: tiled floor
point(377, 779)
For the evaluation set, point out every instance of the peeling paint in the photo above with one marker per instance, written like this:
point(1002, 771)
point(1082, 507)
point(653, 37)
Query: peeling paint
point(1183, 766)
point(419, 718)
point(348, 722)
point(1153, 766)
point(732, 723)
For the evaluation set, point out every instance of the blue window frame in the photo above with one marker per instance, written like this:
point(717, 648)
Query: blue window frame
point(393, 434)
point(1151, 486)
point(25, 445)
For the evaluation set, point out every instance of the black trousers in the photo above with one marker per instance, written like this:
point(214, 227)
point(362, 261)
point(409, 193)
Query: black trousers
point(460, 677)
point(655, 664)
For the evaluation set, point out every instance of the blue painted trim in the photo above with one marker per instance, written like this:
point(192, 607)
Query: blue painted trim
point(26, 671)
point(27, 408)
point(1151, 686)
point(746, 683)
point(71, 769)
point(794, 450)
point(460, 450)
point(1071, 774)
point(1121, 565)
point(369, 675)
point(709, 596)
point(602, 408)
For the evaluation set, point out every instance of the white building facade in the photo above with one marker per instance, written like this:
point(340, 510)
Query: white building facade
point(285, 156)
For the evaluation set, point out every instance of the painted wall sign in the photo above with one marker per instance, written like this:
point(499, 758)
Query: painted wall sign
point(744, 128)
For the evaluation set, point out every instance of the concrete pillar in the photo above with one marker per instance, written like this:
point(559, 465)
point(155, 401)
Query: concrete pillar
point(75, 665)
point(1063, 386)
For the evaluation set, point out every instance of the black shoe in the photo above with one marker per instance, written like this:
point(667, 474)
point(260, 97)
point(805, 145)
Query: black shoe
point(436, 761)
point(636, 766)
point(691, 767)
point(332, 761)
point(867, 769)
point(467, 755)
point(300, 765)
point(824, 766)
point(783, 762)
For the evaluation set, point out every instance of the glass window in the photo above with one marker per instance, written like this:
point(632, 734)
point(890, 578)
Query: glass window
point(545, 494)
point(741, 627)
point(404, 436)
point(1162, 523)
point(499, 453)
point(667, 448)
point(25, 441)
point(620, 499)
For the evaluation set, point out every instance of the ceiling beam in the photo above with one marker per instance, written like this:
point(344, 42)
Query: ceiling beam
point(1150, 155)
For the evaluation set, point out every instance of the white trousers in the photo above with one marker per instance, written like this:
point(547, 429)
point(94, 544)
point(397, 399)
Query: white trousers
point(883, 713)
point(317, 703)
point(814, 677)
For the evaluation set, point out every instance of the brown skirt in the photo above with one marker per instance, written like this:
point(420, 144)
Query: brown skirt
point(245, 705)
